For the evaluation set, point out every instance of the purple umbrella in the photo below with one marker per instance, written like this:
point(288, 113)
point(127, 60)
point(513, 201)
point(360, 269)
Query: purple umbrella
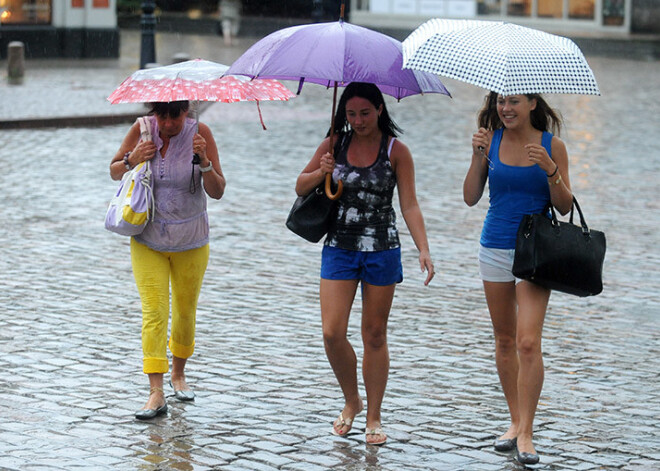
point(335, 54)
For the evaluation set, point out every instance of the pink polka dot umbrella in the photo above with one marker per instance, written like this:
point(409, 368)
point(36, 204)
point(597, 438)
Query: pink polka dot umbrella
point(197, 80)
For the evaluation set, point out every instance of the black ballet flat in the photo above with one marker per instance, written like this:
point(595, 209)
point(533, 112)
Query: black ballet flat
point(527, 458)
point(506, 444)
point(148, 414)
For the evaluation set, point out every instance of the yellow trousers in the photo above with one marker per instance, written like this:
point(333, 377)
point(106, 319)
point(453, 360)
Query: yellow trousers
point(153, 272)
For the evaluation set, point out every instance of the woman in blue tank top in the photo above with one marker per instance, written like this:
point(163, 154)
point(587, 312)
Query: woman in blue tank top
point(362, 245)
point(526, 167)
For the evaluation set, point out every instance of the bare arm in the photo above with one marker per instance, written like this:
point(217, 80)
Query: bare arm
point(404, 169)
point(559, 183)
point(139, 152)
point(314, 173)
point(204, 145)
point(475, 180)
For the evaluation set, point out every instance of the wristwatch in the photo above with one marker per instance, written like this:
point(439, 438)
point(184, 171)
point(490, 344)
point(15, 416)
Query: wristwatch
point(126, 164)
point(206, 169)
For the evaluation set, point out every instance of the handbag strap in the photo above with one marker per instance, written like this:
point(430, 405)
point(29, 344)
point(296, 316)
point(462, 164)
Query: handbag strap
point(145, 181)
point(145, 129)
point(583, 223)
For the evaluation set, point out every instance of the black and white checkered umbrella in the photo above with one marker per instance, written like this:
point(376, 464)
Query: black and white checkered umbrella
point(498, 56)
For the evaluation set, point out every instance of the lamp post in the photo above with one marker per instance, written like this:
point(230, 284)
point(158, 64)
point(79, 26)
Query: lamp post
point(317, 11)
point(148, 27)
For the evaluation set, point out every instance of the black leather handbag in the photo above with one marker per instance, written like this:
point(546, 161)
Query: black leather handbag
point(560, 255)
point(311, 215)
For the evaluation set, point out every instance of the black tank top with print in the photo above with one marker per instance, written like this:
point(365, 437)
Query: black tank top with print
point(365, 219)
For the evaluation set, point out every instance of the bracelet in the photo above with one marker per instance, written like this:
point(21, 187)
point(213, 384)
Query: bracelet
point(126, 164)
point(556, 182)
point(553, 173)
point(206, 169)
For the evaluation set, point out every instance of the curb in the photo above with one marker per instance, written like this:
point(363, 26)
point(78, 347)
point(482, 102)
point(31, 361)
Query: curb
point(80, 121)
point(70, 121)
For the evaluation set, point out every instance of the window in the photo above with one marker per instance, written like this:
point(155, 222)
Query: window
point(550, 9)
point(31, 12)
point(489, 7)
point(613, 12)
point(519, 8)
point(581, 9)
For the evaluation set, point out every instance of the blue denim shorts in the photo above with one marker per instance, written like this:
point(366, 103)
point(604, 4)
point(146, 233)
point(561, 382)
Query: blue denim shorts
point(382, 268)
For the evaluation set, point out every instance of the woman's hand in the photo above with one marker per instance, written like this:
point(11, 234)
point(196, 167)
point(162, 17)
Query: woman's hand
point(480, 140)
point(327, 163)
point(427, 266)
point(199, 148)
point(539, 156)
point(143, 151)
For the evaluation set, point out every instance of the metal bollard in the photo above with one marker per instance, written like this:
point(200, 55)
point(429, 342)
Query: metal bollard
point(148, 28)
point(15, 62)
point(180, 57)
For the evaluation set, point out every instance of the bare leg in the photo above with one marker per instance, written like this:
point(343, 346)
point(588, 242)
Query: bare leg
point(501, 299)
point(178, 375)
point(336, 301)
point(156, 395)
point(376, 305)
point(533, 302)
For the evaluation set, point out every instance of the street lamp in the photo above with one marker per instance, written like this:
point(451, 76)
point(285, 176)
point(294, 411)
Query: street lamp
point(317, 11)
point(148, 27)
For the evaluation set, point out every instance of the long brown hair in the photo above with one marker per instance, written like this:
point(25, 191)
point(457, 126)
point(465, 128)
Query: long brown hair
point(543, 117)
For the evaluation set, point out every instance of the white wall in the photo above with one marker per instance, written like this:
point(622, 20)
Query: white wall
point(444, 8)
point(64, 16)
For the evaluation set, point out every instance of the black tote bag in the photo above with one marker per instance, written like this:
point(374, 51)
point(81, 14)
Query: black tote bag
point(560, 255)
point(311, 215)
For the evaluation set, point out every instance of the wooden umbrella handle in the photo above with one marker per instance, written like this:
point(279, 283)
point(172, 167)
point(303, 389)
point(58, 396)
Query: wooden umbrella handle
point(328, 177)
point(328, 188)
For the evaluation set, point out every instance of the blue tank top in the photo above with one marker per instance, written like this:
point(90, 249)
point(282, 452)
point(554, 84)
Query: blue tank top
point(514, 191)
point(366, 220)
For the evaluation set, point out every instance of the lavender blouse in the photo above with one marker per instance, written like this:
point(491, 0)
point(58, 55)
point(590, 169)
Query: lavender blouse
point(180, 221)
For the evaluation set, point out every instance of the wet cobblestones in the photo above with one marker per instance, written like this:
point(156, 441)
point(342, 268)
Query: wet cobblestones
point(266, 396)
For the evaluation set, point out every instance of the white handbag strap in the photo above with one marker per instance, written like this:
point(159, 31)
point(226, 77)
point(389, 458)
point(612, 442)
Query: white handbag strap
point(145, 135)
point(145, 129)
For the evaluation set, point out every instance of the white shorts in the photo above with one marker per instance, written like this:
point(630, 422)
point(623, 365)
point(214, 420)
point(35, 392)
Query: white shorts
point(496, 264)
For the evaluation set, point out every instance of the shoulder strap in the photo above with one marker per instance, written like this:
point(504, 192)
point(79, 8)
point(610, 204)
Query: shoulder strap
point(389, 148)
point(546, 141)
point(145, 128)
point(340, 144)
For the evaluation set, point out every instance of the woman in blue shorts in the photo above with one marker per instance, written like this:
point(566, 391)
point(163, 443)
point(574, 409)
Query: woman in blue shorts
point(363, 244)
point(526, 167)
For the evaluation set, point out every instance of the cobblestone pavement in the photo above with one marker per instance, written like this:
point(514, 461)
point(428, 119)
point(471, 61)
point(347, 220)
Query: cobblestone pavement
point(266, 396)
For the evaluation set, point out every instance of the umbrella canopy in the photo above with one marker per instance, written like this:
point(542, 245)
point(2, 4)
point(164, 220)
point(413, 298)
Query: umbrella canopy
point(335, 53)
point(502, 57)
point(195, 80)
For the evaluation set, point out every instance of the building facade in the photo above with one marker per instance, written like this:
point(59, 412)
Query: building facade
point(560, 16)
point(60, 28)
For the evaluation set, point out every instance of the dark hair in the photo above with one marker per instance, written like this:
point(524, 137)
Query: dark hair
point(543, 117)
point(370, 92)
point(172, 109)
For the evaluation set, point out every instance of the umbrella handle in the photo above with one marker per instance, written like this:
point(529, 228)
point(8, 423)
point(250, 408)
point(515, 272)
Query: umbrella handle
point(328, 178)
point(328, 188)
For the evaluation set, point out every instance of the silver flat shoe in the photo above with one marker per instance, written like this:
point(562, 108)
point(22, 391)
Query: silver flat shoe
point(148, 414)
point(506, 444)
point(183, 395)
point(527, 458)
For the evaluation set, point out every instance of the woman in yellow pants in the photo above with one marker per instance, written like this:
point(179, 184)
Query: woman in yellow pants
point(173, 249)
